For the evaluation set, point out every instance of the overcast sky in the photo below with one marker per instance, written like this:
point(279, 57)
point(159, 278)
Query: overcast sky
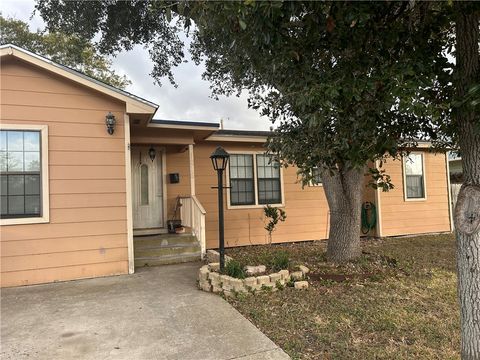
point(190, 101)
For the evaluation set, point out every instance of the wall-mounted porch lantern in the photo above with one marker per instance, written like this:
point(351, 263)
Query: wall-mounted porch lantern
point(219, 161)
point(152, 153)
point(110, 122)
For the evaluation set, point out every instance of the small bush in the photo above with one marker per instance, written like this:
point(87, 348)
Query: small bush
point(234, 269)
point(280, 261)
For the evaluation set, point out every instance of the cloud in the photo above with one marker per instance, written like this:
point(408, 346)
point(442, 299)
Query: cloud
point(189, 101)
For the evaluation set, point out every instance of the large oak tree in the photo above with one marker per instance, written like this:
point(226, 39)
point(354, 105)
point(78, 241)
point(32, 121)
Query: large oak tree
point(347, 82)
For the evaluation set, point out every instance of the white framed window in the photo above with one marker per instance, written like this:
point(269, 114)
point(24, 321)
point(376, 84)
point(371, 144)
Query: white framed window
point(414, 177)
point(24, 196)
point(255, 180)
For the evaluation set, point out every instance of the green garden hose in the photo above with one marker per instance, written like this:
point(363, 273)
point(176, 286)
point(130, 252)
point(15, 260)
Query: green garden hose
point(369, 218)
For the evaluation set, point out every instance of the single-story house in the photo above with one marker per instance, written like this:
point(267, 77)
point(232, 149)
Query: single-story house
point(89, 181)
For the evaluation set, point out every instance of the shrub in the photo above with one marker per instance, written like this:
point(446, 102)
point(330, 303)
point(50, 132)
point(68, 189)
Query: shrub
point(280, 261)
point(275, 215)
point(234, 269)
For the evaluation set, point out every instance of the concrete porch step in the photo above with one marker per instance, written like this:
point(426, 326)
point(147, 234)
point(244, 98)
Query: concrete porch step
point(164, 240)
point(165, 250)
point(168, 259)
point(162, 249)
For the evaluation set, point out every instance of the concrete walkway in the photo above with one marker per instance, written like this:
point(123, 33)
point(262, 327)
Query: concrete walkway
point(157, 313)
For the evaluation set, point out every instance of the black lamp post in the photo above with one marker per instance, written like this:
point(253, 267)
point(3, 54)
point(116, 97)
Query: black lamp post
point(219, 161)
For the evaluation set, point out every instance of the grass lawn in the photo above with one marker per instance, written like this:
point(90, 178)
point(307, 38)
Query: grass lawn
point(398, 301)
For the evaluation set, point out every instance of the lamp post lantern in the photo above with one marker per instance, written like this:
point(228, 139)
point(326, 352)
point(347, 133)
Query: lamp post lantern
point(219, 161)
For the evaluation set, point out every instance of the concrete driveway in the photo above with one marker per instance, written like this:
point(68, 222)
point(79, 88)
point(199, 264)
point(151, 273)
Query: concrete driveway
point(157, 313)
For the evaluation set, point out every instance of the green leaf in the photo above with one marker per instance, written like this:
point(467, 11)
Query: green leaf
point(242, 24)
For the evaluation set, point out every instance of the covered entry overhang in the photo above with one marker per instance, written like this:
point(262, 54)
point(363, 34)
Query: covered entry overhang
point(163, 176)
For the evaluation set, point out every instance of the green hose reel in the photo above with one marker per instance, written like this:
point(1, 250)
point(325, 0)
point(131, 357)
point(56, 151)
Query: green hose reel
point(369, 217)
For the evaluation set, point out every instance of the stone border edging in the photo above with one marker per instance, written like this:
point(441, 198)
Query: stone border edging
point(211, 281)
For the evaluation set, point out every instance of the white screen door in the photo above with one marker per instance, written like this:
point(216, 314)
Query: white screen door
point(147, 182)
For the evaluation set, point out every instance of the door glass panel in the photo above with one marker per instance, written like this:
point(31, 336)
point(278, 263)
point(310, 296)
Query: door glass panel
point(144, 184)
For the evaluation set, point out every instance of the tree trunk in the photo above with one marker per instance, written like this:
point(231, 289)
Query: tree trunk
point(344, 192)
point(467, 211)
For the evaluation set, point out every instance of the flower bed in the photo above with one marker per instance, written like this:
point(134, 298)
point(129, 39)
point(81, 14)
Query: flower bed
point(210, 280)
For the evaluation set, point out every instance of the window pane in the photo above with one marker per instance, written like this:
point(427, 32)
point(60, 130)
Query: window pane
point(270, 193)
point(31, 141)
point(268, 179)
point(16, 185)
point(144, 184)
point(241, 192)
point(3, 161)
point(241, 180)
point(3, 140)
point(414, 176)
point(241, 173)
point(316, 177)
point(15, 140)
point(3, 205)
point(32, 184)
point(15, 161)
point(413, 164)
point(32, 161)
point(3, 184)
point(414, 186)
point(16, 205)
point(32, 204)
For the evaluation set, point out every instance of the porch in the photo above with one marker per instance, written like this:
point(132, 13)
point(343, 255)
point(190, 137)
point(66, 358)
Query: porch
point(163, 193)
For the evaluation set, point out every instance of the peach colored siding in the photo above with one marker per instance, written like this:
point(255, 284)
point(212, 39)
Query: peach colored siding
point(87, 233)
point(400, 217)
point(306, 208)
point(177, 162)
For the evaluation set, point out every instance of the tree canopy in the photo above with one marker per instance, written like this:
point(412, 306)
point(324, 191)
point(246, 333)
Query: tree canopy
point(69, 50)
point(359, 77)
point(346, 81)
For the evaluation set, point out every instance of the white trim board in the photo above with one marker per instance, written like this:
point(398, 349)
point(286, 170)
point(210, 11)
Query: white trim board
point(128, 184)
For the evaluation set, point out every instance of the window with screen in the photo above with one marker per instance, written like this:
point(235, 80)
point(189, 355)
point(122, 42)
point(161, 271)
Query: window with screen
point(242, 190)
point(268, 180)
point(254, 180)
point(20, 174)
point(414, 177)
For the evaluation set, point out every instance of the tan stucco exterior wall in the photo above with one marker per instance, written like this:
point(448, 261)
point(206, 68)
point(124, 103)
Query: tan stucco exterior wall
point(87, 232)
point(400, 217)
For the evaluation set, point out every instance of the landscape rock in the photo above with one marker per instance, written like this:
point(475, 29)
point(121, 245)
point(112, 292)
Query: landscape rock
point(300, 285)
point(250, 281)
point(214, 266)
point(285, 274)
point(275, 277)
point(203, 273)
point(263, 280)
point(255, 270)
point(213, 256)
point(305, 270)
point(297, 275)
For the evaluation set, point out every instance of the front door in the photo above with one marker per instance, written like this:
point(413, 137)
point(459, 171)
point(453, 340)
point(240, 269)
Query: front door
point(147, 182)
